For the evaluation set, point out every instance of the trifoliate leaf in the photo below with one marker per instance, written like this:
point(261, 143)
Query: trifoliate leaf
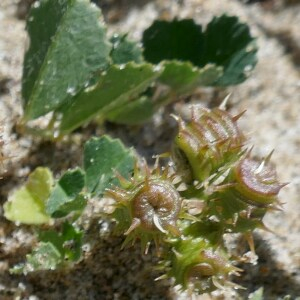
point(226, 43)
point(116, 87)
point(103, 157)
point(27, 205)
point(67, 45)
point(65, 196)
point(124, 50)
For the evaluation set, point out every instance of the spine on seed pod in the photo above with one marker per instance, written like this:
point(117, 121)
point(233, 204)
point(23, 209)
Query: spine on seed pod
point(147, 207)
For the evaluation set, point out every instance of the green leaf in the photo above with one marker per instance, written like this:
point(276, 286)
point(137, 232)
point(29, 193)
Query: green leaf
point(44, 257)
point(134, 112)
point(183, 77)
point(103, 157)
point(65, 197)
point(72, 238)
point(67, 45)
point(226, 43)
point(118, 86)
point(76, 206)
point(54, 249)
point(68, 242)
point(27, 205)
point(54, 238)
point(176, 40)
point(124, 50)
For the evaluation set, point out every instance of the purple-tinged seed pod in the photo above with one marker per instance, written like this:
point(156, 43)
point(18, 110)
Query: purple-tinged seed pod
point(250, 189)
point(147, 207)
point(209, 141)
point(156, 205)
point(256, 182)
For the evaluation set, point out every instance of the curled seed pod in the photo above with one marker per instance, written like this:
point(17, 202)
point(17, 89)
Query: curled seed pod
point(193, 262)
point(256, 182)
point(147, 207)
point(154, 205)
point(208, 142)
point(240, 205)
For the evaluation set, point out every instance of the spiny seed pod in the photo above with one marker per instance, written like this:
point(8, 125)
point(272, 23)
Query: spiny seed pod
point(250, 190)
point(147, 207)
point(256, 182)
point(206, 143)
point(193, 263)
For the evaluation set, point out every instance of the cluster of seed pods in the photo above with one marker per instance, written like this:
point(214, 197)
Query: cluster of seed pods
point(236, 189)
point(214, 187)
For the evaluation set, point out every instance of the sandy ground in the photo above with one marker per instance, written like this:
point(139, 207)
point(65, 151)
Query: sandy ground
point(272, 99)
